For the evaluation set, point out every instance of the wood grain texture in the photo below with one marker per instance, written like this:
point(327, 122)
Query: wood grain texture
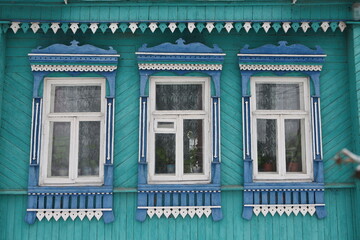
point(16, 108)
point(151, 11)
point(338, 225)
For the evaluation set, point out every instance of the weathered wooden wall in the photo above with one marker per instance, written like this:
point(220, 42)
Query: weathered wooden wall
point(336, 126)
point(174, 11)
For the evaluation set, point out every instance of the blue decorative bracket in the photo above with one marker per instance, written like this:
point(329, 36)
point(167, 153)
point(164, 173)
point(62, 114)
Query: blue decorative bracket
point(282, 197)
point(71, 201)
point(205, 199)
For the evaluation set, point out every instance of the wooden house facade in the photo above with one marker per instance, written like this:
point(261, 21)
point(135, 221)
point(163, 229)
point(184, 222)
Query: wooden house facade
point(178, 119)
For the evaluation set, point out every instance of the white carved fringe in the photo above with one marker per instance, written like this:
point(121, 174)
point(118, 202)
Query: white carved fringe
point(66, 213)
point(281, 67)
point(176, 211)
point(287, 209)
point(151, 66)
point(75, 68)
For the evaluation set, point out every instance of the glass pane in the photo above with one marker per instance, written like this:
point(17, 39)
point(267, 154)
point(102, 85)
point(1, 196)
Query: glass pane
point(165, 125)
point(266, 145)
point(60, 149)
point(193, 146)
point(179, 97)
point(89, 148)
point(164, 153)
point(77, 99)
point(293, 145)
point(278, 96)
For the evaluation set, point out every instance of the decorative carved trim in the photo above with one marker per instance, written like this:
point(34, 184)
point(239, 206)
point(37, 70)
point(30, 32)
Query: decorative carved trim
point(66, 213)
point(258, 67)
point(153, 66)
point(282, 208)
point(179, 210)
point(279, 190)
point(72, 68)
point(135, 27)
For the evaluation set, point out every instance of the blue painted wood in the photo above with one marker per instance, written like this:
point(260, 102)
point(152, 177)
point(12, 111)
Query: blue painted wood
point(74, 48)
point(283, 48)
point(180, 46)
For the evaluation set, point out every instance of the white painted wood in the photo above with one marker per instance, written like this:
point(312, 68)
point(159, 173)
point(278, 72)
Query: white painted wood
point(280, 116)
point(172, 26)
point(73, 119)
point(191, 26)
point(35, 26)
point(266, 26)
point(113, 27)
point(133, 26)
point(93, 27)
point(153, 26)
point(74, 27)
point(55, 26)
point(177, 117)
point(228, 26)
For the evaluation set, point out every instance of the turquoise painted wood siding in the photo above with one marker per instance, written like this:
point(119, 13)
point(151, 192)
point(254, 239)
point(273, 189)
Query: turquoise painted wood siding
point(17, 97)
point(337, 126)
point(150, 11)
point(339, 224)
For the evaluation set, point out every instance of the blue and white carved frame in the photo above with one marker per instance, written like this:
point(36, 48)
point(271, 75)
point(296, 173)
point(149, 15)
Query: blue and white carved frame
point(294, 197)
point(179, 199)
point(71, 201)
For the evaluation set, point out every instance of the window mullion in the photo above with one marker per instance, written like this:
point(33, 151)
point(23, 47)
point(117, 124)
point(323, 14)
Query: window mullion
point(74, 149)
point(281, 146)
point(179, 148)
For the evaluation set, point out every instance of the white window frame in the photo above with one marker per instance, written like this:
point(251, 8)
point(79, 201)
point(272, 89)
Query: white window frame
point(74, 118)
point(280, 116)
point(177, 116)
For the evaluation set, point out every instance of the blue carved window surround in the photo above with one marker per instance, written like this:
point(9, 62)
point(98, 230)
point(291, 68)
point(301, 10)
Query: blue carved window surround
point(70, 202)
point(283, 197)
point(179, 199)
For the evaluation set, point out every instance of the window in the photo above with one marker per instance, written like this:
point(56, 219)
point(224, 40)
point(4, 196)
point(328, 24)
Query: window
point(281, 128)
point(179, 129)
point(73, 119)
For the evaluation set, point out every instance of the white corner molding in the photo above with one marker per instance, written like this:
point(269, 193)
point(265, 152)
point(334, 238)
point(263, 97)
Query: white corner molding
point(73, 68)
point(280, 67)
point(153, 66)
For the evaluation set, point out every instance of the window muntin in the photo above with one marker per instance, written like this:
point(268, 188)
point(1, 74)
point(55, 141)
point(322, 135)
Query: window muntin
point(179, 134)
point(281, 128)
point(73, 149)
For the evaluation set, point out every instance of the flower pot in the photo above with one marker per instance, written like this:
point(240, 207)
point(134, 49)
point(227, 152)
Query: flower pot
point(268, 167)
point(196, 169)
point(170, 168)
point(293, 167)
